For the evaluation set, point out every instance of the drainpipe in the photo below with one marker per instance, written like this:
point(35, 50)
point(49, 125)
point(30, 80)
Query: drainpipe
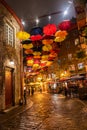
point(21, 76)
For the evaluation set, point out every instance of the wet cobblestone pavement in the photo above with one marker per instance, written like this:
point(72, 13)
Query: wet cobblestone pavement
point(50, 112)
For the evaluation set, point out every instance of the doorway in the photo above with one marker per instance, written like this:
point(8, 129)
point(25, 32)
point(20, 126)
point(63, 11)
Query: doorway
point(9, 87)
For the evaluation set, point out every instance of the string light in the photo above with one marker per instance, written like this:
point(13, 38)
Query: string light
point(23, 23)
point(37, 21)
point(65, 12)
point(49, 17)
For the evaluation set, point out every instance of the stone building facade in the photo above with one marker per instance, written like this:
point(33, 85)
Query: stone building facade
point(10, 58)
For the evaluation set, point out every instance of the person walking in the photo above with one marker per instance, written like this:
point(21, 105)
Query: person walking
point(66, 89)
point(25, 101)
point(29, 91)
point(32, 90)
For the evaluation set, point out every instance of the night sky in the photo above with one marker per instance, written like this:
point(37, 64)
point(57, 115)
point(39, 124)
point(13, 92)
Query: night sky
point(29, 10)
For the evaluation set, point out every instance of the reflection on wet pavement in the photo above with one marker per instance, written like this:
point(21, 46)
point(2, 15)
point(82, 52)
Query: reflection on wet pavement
point(50, 112)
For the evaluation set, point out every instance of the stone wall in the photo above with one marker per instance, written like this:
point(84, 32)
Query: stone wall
point(5, 53)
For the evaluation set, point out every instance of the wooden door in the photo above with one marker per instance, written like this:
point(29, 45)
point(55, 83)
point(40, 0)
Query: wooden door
point(8, 87)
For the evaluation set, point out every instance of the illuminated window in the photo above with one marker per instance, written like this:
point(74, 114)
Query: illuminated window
point(72, 67)
point(9, 34)
point(76, 41)
point(70, 56)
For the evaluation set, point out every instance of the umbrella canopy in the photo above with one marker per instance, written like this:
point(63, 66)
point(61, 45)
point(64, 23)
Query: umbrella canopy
point(64, 25)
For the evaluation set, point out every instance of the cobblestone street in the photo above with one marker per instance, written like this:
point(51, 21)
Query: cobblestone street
point(50, 112)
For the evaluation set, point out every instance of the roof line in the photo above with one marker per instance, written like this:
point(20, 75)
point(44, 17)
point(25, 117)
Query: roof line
point(12, 12)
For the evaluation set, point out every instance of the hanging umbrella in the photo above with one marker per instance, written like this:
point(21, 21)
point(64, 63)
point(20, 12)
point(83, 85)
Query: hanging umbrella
point(36, 30)
point(64, 25)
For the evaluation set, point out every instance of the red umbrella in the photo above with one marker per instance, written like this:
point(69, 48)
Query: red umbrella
point(64, 25)
point(49, 29)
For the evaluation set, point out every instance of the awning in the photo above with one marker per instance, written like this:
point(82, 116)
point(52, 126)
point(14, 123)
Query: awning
point(77, 77)
point(64, 79)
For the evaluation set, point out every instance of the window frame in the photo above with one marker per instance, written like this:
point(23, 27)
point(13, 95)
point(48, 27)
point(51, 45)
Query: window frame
point(9, 34)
